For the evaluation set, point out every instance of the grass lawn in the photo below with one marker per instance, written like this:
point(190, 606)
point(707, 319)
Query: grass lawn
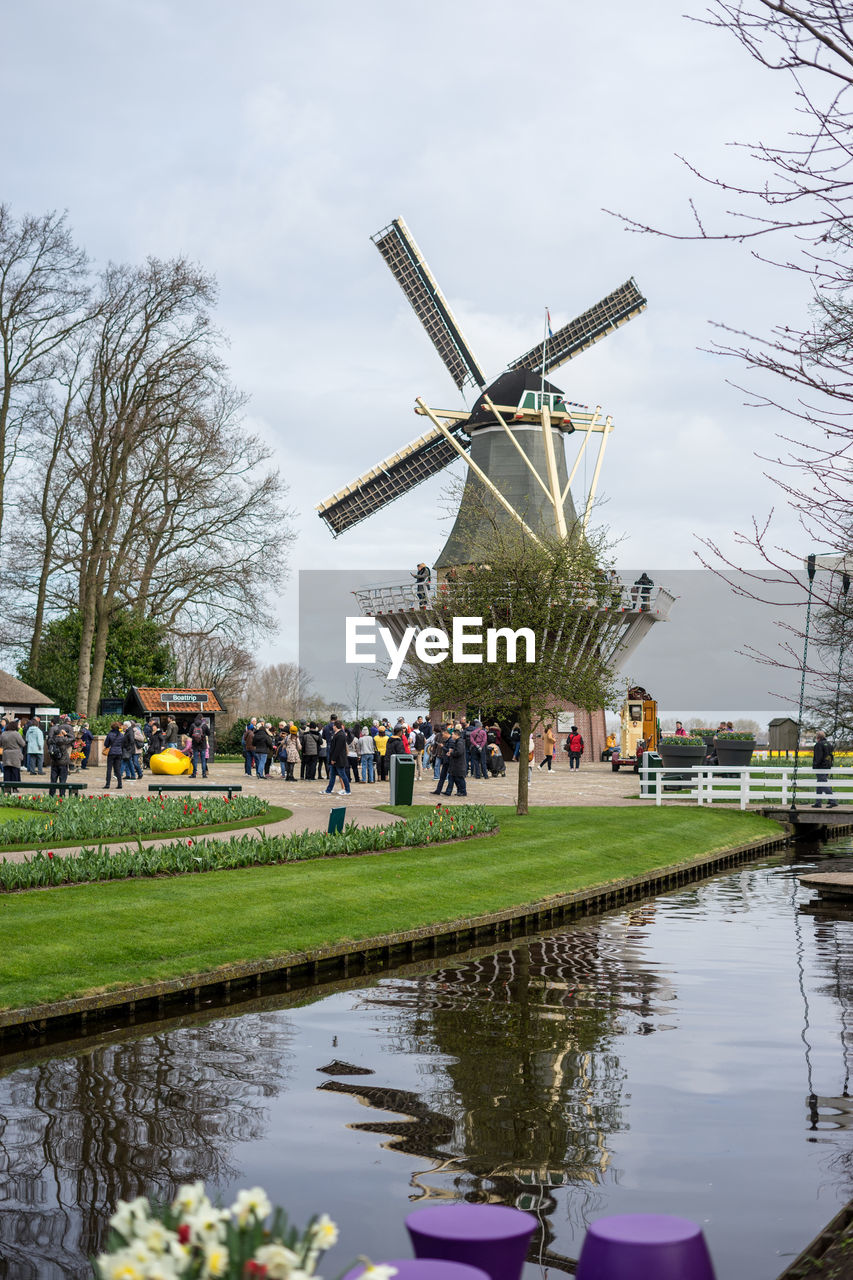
point(70, 941)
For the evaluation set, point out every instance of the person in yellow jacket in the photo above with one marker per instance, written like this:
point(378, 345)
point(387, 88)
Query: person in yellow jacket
point(549, 742)
point(380, 746)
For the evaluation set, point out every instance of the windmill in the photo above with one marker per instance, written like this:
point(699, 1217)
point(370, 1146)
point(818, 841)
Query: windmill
point(512, 440)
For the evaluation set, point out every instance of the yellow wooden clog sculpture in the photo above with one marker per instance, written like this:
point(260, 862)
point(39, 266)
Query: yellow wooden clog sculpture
point(171, 761)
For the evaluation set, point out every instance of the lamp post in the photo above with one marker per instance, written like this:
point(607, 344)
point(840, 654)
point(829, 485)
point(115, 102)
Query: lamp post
point(811, 563)
point(845, 587)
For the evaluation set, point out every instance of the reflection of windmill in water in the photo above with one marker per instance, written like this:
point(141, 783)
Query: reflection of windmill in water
point(512, 442)
point(529, 1090)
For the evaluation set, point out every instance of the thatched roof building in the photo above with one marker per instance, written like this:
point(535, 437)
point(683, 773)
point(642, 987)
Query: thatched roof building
point(21, 699)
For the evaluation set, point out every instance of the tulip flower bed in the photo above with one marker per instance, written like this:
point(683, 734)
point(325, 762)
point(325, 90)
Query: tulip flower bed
point(188, 856)
point(57, 820)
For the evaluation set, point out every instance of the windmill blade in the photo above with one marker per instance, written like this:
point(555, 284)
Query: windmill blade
point(414, 277)
point(419, 460)
point(618, 307)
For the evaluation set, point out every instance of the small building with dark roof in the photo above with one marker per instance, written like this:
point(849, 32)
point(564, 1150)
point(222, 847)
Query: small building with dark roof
point(184, 704)
point(19, 699)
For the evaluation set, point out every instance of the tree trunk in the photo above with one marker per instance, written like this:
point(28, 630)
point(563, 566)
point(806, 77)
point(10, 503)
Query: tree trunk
point(99, 658)
point(87, 635)
point(524, 724)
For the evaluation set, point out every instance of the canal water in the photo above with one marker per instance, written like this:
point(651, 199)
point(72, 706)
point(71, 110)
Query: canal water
point(691, 1055)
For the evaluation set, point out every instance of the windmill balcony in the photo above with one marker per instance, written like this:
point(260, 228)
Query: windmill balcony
point(627, 613)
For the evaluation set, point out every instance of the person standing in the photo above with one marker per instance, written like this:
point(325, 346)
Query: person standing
point(156, 739)
point(128, 746)
point(14, 748)
point(338, 762)
point(366, 753)
point(380, 745)
point(515, 740)
point(422, 577)
point(199, 737)
point(456, 769)
point(309, 741)
point(822, 761)
point(549, 742)
point(248, 743)
point(262, 746)
point(477, 750)
point(60, 740)
point(86, 737)
point(35, 748)
point(171, 736)
point(113, 743)
point(441, 756)
point(574, 746)
point(418, 743)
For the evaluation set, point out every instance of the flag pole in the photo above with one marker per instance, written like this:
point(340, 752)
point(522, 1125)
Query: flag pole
point(544, 353)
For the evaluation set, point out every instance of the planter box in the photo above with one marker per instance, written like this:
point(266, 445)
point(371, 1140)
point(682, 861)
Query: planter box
point(734, 752)
point(682, 755)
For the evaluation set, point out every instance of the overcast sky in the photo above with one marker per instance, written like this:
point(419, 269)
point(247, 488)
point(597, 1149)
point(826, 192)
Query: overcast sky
point(269, 140)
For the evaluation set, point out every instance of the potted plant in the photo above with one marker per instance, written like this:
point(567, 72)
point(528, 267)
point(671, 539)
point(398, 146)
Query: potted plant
point(707, 736)
point(679, 752)
point(735, 748)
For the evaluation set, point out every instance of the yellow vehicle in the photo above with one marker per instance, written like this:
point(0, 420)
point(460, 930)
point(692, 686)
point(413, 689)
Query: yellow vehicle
point(639, 723)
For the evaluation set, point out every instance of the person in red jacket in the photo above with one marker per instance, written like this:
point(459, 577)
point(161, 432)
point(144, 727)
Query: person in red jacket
point(574, 746)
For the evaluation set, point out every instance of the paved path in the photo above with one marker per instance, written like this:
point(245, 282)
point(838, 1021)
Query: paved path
point(593, 784)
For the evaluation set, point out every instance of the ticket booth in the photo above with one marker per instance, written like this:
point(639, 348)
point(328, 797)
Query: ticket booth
point(184, 704)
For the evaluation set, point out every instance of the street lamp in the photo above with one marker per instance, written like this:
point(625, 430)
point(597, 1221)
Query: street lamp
point(811, 563)
point(834, 562)
point(845, 587)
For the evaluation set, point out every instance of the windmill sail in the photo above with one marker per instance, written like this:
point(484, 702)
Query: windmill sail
point(414, 277)
point(619, 306)
point(393, 477)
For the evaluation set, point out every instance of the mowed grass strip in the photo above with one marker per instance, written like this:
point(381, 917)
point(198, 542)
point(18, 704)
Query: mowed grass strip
point(65, 942)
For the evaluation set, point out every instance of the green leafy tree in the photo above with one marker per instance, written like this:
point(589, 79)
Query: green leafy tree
point(137, 653)
point(557, 589)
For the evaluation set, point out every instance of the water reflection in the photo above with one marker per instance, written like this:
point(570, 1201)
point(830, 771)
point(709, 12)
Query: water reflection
point(692, 1055)
point(136, 1118)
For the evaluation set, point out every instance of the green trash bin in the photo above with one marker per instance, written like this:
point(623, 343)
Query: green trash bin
point(653, 763)
point(402, 779)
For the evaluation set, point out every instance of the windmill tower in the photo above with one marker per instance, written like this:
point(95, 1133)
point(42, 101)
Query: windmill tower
point(512, 440)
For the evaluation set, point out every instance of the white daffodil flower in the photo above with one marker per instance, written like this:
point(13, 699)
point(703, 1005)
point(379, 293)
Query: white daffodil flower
point(208, 1225)
point(162, 1269)
point(324, 1232)
point(120, 1266)
point(216, 1260)
point(157, 1238)
point(377, 1271)
point(190, 1198)
point(130, 1215)
point(253, 1202)
point(279, 1261)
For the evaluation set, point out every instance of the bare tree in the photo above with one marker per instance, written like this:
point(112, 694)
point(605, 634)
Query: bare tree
point(210, 661)
point(797, 213)
point(282, 688)
point(44, 296)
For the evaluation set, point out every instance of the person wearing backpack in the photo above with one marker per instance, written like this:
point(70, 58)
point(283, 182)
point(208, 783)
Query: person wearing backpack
point(199, 735)
point(574, 746)
point(822, 761)
point(60, 740)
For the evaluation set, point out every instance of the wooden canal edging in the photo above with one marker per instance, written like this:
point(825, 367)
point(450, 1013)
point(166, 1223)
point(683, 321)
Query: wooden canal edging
point(246, 980)
point(825, 1256)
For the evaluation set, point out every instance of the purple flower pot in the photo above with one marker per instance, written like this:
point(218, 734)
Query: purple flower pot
point(423, 1269)
point(489, 1236)
point(644, 1246)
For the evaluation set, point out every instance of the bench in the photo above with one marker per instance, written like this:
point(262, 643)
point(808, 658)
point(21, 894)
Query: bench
point(61, 787)
point(159, 787)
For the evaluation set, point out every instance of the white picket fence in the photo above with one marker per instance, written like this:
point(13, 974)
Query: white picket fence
point(746, 785)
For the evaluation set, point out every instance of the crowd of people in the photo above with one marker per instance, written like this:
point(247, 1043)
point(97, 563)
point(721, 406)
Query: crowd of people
point(361, 753)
